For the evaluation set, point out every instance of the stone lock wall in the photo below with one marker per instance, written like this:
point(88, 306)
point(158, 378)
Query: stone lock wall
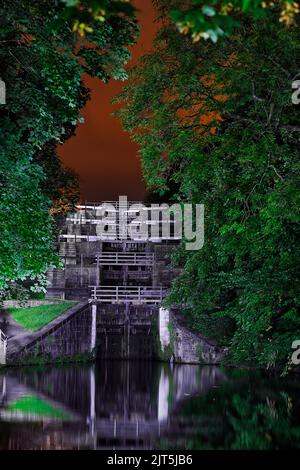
point(181, 344)
point(85, 331)
point(67, 339)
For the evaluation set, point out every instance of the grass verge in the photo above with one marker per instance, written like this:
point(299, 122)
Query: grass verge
point(34, 318)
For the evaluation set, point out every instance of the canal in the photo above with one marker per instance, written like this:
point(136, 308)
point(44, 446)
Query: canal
point(146, 405)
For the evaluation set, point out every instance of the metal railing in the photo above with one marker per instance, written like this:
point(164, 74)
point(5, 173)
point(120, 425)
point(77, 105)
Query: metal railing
point(123, 294)
point(3, 346)
point(113, 238)
point(115, 204)
point(113, 222)
point(110, 258)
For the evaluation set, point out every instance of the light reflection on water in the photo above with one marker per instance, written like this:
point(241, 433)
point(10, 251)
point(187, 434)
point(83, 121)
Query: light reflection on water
point(134, 405)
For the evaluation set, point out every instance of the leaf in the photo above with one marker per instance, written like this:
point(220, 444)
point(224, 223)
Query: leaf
point(208, 11)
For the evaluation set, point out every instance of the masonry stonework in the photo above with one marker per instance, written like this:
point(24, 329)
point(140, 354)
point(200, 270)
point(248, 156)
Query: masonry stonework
point(181, 344)
point(67, 338)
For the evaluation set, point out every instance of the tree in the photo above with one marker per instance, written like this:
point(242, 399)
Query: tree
point(85, 14)
point(216, 124)
point(42, 62)
point(218, 18)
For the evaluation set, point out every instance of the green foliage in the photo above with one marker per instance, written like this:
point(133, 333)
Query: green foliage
point(216, 125)
point(42, 63)
point(220, 17)
point(34, 318)
point(86, 14)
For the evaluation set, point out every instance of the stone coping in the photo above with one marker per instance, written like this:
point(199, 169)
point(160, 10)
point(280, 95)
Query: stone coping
point(30, 303)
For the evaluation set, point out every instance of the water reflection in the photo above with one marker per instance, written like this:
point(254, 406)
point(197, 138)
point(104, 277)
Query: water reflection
point(119, 404)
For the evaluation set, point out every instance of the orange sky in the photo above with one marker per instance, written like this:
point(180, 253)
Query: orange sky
point(101, 152)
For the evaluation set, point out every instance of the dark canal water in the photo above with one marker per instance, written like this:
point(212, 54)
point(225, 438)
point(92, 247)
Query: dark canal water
point(140, 405)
